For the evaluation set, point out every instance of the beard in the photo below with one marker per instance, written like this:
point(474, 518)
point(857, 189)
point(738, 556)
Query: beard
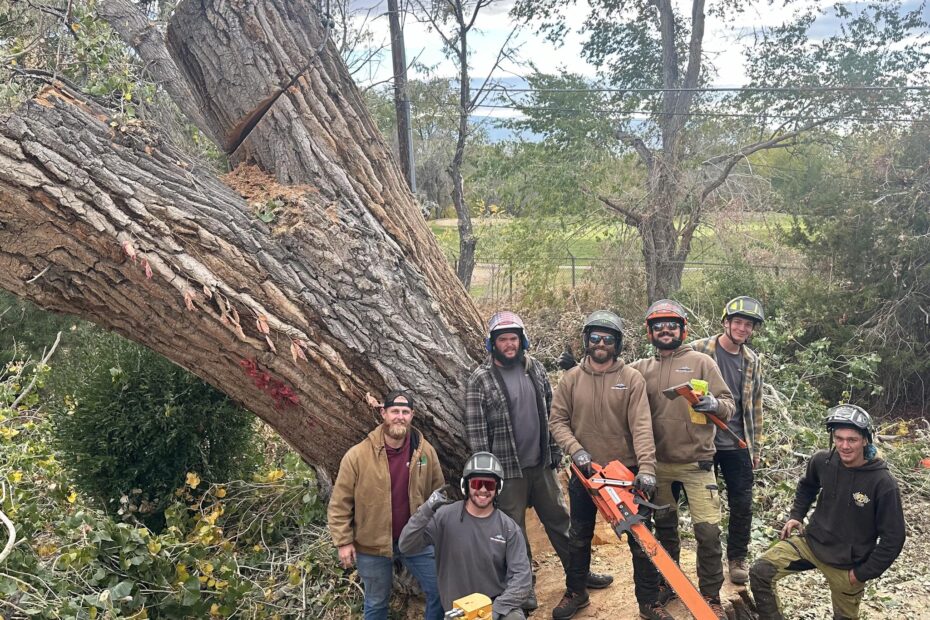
point(601, 355)
point(674, 343)
point(398, 430)
point(508, 361)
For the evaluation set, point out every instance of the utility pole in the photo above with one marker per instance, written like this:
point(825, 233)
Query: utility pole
point(401, 101)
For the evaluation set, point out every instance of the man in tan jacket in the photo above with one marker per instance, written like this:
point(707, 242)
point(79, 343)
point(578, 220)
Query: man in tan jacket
point(685, 443)
point(600, 413)
point(381, 482)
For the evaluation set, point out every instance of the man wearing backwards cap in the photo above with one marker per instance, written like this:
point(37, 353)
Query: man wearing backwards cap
point(382, 481)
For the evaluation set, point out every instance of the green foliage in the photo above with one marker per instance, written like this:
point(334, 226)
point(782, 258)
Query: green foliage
point(129, 425)
point(871, 242)
point(253, 549)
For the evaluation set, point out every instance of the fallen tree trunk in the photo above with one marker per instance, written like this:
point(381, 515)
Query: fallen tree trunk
point(344, 291)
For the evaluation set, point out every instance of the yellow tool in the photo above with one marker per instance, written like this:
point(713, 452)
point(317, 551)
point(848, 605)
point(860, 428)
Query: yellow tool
point(472, 607)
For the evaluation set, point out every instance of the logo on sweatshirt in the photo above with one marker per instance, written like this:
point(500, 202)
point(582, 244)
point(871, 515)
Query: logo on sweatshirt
point(861, 499)
point(498, 538)
point(619, 386)
point(684, 369)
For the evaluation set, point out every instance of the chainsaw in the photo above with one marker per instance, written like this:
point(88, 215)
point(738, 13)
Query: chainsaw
point(611, 489)
point(687, 391)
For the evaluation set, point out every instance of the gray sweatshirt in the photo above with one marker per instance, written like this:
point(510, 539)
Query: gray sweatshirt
point(486, 555)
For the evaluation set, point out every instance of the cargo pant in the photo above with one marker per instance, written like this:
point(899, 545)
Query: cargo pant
point(700, 487)
point(790, 557)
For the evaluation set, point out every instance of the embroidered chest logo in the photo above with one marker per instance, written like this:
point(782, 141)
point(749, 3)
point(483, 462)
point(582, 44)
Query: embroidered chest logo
point(684, 369)
point(498, 538)
point(422, 461)
point(861, 499)
point(619, 386)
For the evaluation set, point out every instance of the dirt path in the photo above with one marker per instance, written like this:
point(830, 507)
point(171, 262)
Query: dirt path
point(610, 555)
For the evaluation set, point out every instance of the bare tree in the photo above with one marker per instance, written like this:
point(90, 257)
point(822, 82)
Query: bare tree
point(454, 21)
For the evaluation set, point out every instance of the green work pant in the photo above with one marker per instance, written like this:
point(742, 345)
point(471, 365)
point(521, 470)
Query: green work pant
point(700, 487)
point(539, 487)
point(792, 556)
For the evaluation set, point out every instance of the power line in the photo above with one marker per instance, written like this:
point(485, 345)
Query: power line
point(580, 112)
point(722, 89)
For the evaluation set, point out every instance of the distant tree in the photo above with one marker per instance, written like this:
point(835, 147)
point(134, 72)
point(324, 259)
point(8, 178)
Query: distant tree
point(654, 56)
point(454, 22)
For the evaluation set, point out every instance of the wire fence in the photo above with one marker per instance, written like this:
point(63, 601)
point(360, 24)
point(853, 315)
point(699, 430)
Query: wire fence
point(501, 278)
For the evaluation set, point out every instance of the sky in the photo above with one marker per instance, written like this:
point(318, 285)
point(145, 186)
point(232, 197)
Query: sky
point(723, 42)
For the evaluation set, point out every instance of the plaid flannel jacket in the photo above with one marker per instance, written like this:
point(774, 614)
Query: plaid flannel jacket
point(751, 391)
point(487, 416)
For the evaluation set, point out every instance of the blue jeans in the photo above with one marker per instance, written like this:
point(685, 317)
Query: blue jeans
point(377, 573)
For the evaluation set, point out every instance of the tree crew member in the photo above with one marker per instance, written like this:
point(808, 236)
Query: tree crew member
point(507, 413)
point(685, 442)
point(857, 529)
point(742, 370)
point(600, 413)
point(381, 482)
point(478, 548)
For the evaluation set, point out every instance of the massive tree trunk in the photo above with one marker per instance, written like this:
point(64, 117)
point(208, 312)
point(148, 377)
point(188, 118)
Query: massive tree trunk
point(344, 292)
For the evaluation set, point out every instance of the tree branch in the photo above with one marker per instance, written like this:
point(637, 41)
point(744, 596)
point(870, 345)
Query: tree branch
point(147, 40)
point(636, 143)
point(501, 54)
point(632, 218)
point(731, 159)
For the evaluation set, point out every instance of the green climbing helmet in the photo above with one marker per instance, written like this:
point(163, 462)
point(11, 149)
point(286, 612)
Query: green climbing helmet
point(748, 307)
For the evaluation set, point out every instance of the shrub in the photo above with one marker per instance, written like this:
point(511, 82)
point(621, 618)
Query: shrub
point(129, 425)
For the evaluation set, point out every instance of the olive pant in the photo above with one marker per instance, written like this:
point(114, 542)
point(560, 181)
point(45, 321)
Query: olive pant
point(792, 556)
point(538, 487)
point(700, 487)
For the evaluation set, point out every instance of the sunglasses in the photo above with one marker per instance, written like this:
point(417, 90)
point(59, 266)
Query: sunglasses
point(488, 484)
point(597, 339)
point(658, 326)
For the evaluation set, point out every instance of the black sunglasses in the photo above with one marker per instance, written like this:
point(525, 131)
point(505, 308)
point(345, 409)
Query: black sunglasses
point(607, 339)
point(658, 326)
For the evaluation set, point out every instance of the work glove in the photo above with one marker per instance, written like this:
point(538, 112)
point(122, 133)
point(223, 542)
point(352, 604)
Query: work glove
point(582, 460)
point(439, 498)
point(707, 404)
point(566, 361)
point(645, 483)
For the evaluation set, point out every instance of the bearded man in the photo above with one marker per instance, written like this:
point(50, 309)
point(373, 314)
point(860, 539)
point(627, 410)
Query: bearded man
point(381, 482)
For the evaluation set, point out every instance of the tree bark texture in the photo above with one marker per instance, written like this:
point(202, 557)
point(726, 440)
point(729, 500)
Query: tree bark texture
point(345, 292)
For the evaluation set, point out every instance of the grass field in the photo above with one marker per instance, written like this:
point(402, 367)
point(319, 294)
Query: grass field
point(749, 237)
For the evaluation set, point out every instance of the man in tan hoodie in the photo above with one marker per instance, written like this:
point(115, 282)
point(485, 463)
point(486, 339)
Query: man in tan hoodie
point(381, 482)
point(600, 413)
point(685, 443)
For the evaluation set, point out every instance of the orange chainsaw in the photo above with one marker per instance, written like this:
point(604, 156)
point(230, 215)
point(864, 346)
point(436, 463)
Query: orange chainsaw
point(611, 488)
point(687, 391)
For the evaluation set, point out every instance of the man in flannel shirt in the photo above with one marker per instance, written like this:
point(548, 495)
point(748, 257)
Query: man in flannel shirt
point(742, 371)
point(506, 413)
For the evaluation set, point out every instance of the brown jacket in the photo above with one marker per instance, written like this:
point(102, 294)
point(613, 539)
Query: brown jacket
point(678, 439)
point(360, 506)
point(606, 413)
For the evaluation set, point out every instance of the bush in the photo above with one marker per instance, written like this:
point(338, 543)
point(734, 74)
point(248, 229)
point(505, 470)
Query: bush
point(129, 426)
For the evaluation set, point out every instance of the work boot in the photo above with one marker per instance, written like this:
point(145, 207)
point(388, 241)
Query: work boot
point(570, 604)
point(716, 607)
point(739, 571)
point(598, 581)
point(665, 593)
point(655, 611)
point(530, 603)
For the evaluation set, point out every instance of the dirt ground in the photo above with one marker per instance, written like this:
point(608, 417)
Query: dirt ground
point(609, 555)
point(903, 592)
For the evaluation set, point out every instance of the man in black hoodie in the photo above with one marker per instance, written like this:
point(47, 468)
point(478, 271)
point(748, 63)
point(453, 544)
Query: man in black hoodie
point(857, 529)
